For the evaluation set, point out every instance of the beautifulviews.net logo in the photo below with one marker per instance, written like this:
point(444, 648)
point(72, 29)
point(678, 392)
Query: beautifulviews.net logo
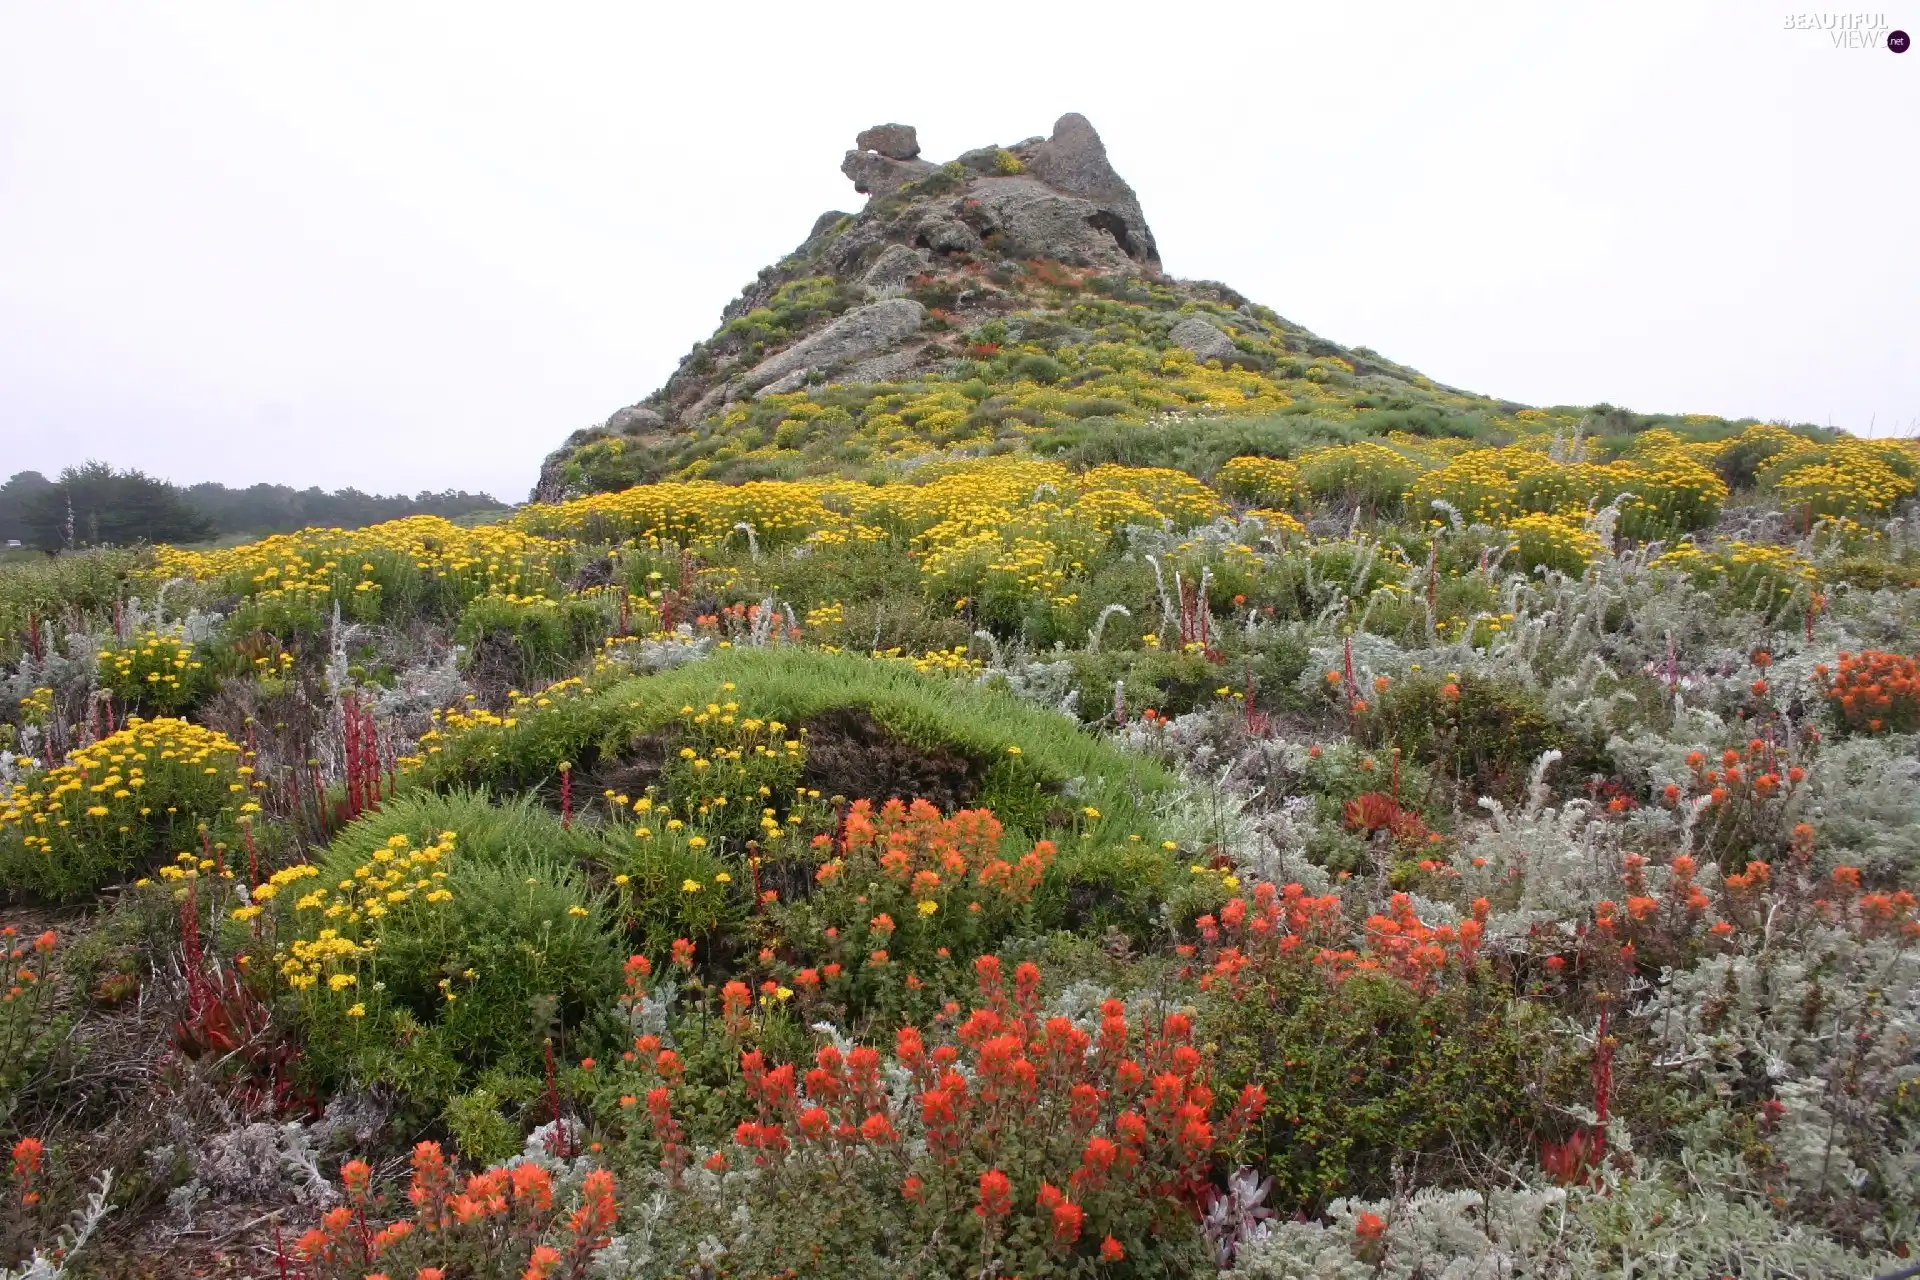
point(1852, 30)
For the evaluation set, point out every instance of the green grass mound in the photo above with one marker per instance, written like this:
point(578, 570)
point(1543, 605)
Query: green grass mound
point(1035, 769)
point(860, 729)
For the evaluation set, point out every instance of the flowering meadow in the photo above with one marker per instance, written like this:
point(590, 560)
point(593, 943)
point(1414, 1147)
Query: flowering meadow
point(1203, 849)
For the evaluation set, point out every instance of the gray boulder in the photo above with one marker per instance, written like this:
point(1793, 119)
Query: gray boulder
point(716, 395)
point(949, 235)
point(862, 332)
point(981, 159)
point(782, 385)
point(846, 251)
point(894, 141)
point(1038, 222)
point(1074, 161)
point(875, 175)
point(1203, 339)
point(635, 419)
point(897, 265)
point(885, 368)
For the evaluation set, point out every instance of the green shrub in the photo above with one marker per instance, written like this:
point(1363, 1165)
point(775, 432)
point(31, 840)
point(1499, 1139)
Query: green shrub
point(726, 766)
point(589, 727)
point(669, 881)
point(437, 938)
point(1366, 474)
point(529, 639)
point(483, 1135)
point(1044, 370)
point(47, 587)
point(1366, 1072)
point(1170, 683)
point(1485, 734)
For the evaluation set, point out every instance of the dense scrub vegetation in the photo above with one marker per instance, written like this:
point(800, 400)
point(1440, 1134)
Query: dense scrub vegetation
point(1266, 845)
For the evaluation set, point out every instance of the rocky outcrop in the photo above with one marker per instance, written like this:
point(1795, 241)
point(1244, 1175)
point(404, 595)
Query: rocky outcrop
point(894, 141)
point(895, 266)
point(635, 419)
point(955, 236)
point(862, 332)
point(943, 233)
point(1036, 221)
point(1074, 161)
point(876, 175)
point(1203, 339)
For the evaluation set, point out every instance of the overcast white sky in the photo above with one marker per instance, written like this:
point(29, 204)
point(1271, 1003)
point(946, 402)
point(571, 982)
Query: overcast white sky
point(413, 245)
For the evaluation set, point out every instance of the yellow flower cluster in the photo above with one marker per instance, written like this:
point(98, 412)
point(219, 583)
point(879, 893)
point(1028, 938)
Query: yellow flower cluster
point(158, 667)
point(1662, 490)
point(315, 567)
point(463, 720)
point(394, 877)
point(102, 786)
point(946, 662)
point(37, 707)
point(1367, 472)
point(1015, 524)
point(281, 879)
point(1555, 542)
point(1281, 522)
point(1761, 576)
point(1846, 478)
point(187, 867)
point(305, 962)
point(697, 513)
point(1268, 481)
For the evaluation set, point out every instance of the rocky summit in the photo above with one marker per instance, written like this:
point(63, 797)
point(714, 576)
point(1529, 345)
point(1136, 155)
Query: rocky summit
point(974, 306)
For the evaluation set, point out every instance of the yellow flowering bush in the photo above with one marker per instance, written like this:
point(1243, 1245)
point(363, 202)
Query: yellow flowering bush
point(1483, 486)
point(1268, 482)
point(669, 879)
point(690, 513)
point(156, 672)
point(537, 637)
point(114, 806)
point(1847, 478)
point(1367, 474)
point(419, 564)
point(1562, 543)
point(946, 662)
point(1757, 576)
point(517, 737)
point(1665, 491)
point(1008, 529)
point(1672, 493)
point(727, 767)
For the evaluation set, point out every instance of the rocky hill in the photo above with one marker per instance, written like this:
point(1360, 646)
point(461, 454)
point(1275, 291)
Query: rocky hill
point(976, 306)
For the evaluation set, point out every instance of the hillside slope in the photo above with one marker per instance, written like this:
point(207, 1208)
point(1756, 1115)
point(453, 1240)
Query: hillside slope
point(977, 306)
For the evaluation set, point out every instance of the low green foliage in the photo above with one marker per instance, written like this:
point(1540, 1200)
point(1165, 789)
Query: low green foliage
point(526, 640)
point(440, 937)
point(1366, 1073)
point(1484, 735)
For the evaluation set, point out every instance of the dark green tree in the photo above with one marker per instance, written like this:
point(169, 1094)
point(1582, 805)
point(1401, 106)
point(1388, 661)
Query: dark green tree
point(13, 504)
point(94, 506)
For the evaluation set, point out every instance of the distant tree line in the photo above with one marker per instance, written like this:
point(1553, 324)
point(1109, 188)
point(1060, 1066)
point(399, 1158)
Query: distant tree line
point(96, 505)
